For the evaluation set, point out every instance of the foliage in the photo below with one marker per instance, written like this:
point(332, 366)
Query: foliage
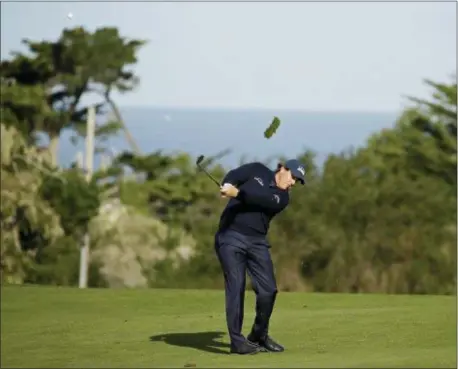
point(172, 185)
point(74, 199)
point(379, 218)
point(50, 83)
point(27, 221)
point(382, 218)
point(58, 264)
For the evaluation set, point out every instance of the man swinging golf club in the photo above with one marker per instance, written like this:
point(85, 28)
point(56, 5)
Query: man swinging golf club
point(256, 195)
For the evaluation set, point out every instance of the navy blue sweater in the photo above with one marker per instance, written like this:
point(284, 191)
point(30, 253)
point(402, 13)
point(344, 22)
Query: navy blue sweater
point(258, 201)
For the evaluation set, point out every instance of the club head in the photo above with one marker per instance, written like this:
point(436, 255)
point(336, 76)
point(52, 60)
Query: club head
point(200, 159)
point(198, 162)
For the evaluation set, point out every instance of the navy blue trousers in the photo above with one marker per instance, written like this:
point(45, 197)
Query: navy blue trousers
point(239, 254)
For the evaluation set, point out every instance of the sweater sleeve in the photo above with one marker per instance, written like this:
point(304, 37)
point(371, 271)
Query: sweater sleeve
point(260, 196)
point(240, 175)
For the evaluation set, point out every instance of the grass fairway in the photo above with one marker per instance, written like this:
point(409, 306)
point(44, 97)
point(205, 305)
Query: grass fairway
point(63, 327)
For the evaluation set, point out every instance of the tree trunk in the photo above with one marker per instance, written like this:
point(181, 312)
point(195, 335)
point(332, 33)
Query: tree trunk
point(54, 148)
point(118, 116)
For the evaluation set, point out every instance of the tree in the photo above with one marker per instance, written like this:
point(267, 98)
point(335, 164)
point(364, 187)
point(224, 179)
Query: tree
point(384, 216)
point(171, 184)
point(424, 138)
point(28, 223)
point(57, 75)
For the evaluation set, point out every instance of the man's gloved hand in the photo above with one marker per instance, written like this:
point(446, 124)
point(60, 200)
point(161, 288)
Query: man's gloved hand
point(228, 190)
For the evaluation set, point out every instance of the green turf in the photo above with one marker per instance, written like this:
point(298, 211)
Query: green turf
point(62, 327)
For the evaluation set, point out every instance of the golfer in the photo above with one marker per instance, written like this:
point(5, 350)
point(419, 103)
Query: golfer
point(256, 195)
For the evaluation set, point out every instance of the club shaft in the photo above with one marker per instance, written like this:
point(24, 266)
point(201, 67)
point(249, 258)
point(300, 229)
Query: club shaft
point(210, 176)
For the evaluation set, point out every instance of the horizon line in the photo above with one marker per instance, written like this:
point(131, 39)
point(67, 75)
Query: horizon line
point(261, 109)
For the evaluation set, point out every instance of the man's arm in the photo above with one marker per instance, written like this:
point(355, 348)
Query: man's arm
point(240, 175)
point(260, 196)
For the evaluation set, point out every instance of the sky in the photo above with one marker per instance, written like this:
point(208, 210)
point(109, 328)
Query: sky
point(305, 56)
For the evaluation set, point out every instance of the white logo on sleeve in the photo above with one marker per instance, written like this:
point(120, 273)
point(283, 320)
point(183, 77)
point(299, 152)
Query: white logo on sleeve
point(259, 180)
point(277, 198)
point(302, 170)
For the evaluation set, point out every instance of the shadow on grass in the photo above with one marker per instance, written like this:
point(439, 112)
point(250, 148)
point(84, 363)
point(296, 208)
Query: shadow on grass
point(204, 341)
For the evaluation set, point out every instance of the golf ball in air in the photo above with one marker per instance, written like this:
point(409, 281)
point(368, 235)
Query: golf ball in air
point(69, 15)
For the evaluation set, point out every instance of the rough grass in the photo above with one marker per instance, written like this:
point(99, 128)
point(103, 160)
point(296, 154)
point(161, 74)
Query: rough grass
point(64, 327)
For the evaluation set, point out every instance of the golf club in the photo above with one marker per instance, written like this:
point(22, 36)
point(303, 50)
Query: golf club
point(198, 162)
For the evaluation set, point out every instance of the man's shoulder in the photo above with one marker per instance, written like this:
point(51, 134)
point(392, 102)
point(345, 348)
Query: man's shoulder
point(258, 166)
point(260, 173)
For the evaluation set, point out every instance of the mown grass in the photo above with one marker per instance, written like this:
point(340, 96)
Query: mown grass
point(65, 327)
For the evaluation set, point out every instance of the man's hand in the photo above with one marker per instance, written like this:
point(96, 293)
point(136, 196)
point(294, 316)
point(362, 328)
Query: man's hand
point(228, 190)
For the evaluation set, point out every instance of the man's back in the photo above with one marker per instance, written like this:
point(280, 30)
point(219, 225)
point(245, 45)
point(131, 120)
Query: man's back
point(259, 200)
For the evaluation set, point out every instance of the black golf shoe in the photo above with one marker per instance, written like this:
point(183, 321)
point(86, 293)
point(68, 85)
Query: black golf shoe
point(267, 343)
point(246, 348)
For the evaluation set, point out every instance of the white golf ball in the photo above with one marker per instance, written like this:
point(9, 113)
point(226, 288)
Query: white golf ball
point(69, 15)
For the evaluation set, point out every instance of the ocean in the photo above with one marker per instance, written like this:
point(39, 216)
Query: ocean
point(210, 131)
